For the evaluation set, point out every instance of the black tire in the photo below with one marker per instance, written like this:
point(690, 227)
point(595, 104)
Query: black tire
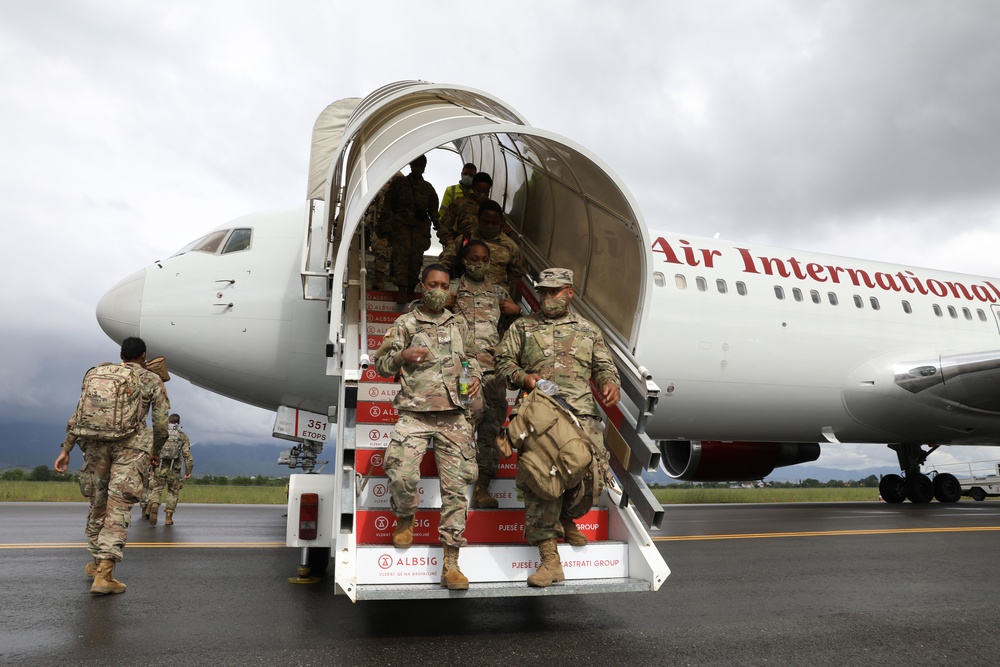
point(977, 494)
point(892, 489)
point(318, 560)
point(919, 488)
point(947, 488)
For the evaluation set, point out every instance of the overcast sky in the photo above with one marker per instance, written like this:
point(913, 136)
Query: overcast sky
point(128, 129)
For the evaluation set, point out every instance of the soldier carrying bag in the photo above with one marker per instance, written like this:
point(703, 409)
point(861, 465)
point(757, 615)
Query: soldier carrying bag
point(555, 451)
point(109, 405)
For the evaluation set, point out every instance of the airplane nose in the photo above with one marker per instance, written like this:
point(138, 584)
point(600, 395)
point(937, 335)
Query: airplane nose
point(118, 310)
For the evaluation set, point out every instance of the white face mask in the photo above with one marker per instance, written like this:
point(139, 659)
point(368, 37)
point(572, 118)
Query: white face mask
point(466, 181)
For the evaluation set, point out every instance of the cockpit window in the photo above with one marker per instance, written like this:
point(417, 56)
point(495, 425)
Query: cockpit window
point(238, 240)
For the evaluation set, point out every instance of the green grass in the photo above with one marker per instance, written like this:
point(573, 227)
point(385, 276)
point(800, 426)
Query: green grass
point(763, 495)
point(19, 492)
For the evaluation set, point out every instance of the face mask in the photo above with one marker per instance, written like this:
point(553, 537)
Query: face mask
point(555, 306)
point(476, 271)
point(466, 181)
point(434, 299)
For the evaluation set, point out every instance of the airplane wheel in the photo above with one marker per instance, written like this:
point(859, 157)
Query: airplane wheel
point(892, 489)
point(977, 494)
point(919, 488)
point(947, 488)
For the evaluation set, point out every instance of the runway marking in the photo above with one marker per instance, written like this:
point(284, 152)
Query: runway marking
point(152, 545)
point(827, 533)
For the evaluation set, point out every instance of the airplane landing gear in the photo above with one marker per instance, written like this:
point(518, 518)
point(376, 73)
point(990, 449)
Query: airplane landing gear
point(916, 486)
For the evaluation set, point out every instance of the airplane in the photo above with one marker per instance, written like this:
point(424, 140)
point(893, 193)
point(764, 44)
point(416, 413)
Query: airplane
point(736, 358)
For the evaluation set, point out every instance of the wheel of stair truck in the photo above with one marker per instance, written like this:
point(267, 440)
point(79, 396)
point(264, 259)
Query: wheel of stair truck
point(892, 489)
point(947, 488)
point(977, 494)
point(318, 559)
point(919, 488)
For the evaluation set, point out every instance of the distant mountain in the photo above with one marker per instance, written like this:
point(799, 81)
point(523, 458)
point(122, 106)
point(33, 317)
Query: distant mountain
point(795, 474)
point(30, 445)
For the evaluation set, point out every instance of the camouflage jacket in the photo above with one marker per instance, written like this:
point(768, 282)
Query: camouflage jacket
point(408, 200)
point(479, 303)
point(568, 350)
point(506, 262)
point(461, 217)
point(431, 385)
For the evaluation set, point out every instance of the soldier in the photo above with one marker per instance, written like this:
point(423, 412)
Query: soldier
point(120, 468)
point(411, 208)
point(506, 265)
point(461, 189)
point(168, 472)
point(481, 303)
point(426, 347)
point(462, 215)
point(558, 344)
point(377, 229)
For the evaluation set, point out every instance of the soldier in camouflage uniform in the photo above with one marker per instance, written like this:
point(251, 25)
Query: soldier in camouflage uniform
point(506, 266)
point(462, 215)
point(426, 347)
point(378, 229)
point(120, 467)
point(410, 207)
point(168, 473)
point(481, 303)
point(558, 344)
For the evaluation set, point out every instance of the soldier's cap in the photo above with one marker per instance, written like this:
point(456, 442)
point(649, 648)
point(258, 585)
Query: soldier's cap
point(555, 278)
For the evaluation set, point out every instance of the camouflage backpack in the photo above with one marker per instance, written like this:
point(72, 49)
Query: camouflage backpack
point(109, 405)
point(172, 447)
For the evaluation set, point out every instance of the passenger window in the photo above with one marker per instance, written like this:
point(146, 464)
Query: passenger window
point(982, 315)
point(680, 281)
point(967, 313)
point(659, 280)
point(239, 240)
point(832, 296)
point(937, 310)
point(858, 301)
point(722, 286)
point(741, 288)
point(814, 295)
point(797, 294)
point(875, 305)
point(953, 312)
point(779, 292)
point(906, 307)
point(701, 283)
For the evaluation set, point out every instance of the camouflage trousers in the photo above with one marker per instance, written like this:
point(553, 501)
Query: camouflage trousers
point(408, 245)
point(454, 452)
point(168, 476)
point(117, 475)
point(542, 516)
point(489, 411)
point(381, 259)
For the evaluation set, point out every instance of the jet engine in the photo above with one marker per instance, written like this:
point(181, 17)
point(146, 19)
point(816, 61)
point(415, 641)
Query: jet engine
point(714, 461)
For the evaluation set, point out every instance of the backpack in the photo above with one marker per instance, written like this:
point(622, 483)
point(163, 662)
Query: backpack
point(172, 447)
point(109, 405)
point(555, 451)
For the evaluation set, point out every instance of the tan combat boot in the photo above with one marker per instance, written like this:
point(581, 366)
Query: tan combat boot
point(550, 571)
point(402, 537)
point(169, 521)
point(91, 568)
point(573, 535)
point(104, 579)
point(481, 498)
point(452, 577)
point(154, 510)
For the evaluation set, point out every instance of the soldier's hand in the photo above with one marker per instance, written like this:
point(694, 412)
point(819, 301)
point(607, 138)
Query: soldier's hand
point(62, 462)
point(474, 387)
point(530, 380)
point(610, 395)
point(508, 307)
point(154, 460)
point(416, 355)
